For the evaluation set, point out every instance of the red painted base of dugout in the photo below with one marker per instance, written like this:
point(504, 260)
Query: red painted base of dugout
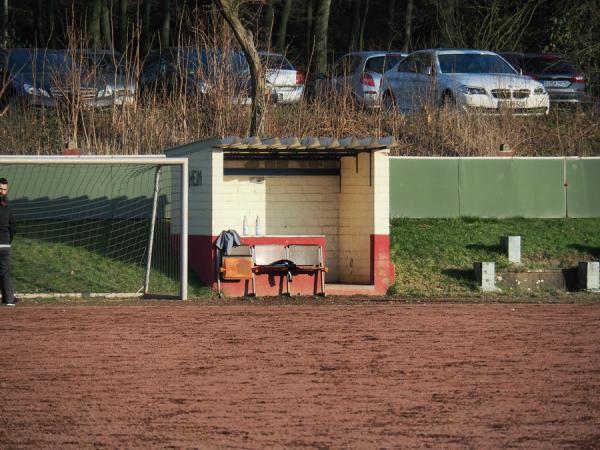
point(202, 258)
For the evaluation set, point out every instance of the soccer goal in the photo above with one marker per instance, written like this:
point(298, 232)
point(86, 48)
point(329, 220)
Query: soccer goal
point(98, 226)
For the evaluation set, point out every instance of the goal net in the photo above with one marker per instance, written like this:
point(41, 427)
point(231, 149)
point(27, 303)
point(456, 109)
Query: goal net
point(104, 226)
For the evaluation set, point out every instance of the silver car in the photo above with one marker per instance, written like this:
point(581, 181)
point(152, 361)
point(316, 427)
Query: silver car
point(284, 82)
point(564, 81)
point(50, 78)
point(360, 73)
point(472, 80)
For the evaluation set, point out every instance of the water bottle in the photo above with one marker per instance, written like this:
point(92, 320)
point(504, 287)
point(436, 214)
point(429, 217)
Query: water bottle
point(245, 227)
point(258, 230)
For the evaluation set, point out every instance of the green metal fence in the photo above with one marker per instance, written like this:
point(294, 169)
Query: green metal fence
point(494, 187)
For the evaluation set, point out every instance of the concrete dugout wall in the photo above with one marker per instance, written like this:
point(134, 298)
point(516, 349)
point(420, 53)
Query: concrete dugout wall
point(494, 187)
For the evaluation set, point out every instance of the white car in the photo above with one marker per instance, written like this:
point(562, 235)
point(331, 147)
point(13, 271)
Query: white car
point(284, 82)
point(473, 80)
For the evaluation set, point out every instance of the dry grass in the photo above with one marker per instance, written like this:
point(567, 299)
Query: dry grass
point(157, 122)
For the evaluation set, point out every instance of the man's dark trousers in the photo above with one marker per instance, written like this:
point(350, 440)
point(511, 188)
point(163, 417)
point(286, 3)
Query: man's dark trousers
point(5, 281)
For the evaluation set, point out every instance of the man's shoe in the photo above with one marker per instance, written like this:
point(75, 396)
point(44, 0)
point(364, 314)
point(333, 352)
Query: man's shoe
point(8, 304)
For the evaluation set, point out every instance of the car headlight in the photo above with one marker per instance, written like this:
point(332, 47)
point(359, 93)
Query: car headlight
point(106, 92)
point(32, 90)
point(539, 90)
point(471, 90)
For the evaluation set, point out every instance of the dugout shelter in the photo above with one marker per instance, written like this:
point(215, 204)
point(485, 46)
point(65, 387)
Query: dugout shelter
point(322, 192)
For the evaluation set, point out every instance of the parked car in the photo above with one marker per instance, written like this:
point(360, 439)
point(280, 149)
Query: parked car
point(473, 80)
point(197, 74)
point(360, 73)
point(48, 78)
point(563, 79)
point(284, 82)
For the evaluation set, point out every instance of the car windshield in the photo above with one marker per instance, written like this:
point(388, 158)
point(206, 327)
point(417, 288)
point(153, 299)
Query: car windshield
point(548, 65)
point(105, 63)
point(200, 62)
point(473, 63)
point(39, 61)
point(276, 62)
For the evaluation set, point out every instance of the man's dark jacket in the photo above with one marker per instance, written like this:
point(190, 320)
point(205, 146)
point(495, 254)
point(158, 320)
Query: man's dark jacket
point(8, 225)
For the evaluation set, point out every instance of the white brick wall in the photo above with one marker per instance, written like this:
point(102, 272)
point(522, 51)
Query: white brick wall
point(286, 205)
point(356, 220)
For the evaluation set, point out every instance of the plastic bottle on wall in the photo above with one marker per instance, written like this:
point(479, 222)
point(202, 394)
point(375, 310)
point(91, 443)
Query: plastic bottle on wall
point(258, 229)
point(245, 227)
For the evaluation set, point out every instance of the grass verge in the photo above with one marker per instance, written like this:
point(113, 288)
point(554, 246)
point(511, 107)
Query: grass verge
point(434, 257)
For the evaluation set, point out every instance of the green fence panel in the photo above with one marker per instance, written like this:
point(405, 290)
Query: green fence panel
point(424, 187)
point(101, 191)
point(583, 192)
point(512, 188)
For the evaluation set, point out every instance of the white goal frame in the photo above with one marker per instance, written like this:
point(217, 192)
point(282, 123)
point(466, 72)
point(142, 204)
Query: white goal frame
point(155, 160)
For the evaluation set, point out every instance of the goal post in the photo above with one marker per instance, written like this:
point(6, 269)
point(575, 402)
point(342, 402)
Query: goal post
point(99, 225)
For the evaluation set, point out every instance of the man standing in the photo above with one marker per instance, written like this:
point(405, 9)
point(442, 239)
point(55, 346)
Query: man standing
point(8, 229)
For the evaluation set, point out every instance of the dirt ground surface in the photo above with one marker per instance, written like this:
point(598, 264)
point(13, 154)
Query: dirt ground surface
point(185, 375)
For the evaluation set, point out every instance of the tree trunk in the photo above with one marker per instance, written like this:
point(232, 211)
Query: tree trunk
point(268, 25)
point(282, 30)
point(146, 27)
point(321, 28)
point(165, 29)
point(310, 7)
point(361, 38)
point(123, 26)
point(355, 27)
point(391, 25)
point(107, 34)
point(408, 26)
point(93, 23)
point(244, 37)
point(40, 36)
point(4, 23)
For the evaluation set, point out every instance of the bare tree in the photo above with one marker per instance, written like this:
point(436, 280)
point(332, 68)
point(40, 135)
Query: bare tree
point(93, 22)
point(320, 36)
point(363, 22)
point(408, 25)
point(355, 26)
point(123, 25)
point(310, 8)
point(268, 24)
point(40, 35)
point(51, 23)
point(391, 25)
point(106, 24)
point(446, 19)
point(165, 29)
point(146, 27)
point(3, 23)
point(282, 29)
point(229, 10)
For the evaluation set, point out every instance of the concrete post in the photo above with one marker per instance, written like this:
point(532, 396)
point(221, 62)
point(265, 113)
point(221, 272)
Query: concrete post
point(511, 245)
point(485, 274)
point(588, 276)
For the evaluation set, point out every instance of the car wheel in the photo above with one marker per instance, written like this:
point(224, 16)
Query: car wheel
point(389, 102)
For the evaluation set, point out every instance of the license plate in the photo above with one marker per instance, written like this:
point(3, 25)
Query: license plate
point(556, 83)
point(507, 104)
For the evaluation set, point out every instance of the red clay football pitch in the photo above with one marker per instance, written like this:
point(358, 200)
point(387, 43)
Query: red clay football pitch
point(300, 376)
